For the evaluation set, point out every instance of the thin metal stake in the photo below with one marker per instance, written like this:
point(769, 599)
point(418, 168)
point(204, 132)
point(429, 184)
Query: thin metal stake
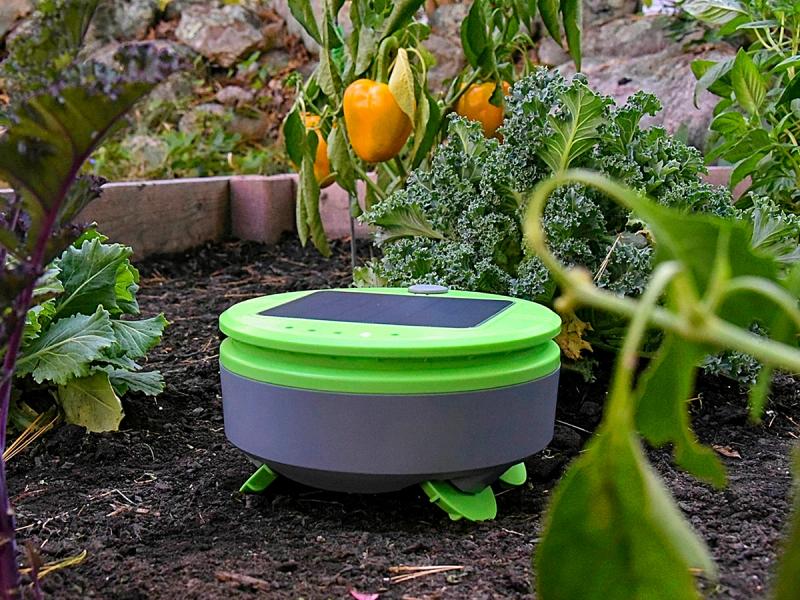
point(352, 243)
point(353, 202)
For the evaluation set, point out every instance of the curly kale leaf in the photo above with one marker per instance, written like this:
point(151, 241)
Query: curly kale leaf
point(474, 191)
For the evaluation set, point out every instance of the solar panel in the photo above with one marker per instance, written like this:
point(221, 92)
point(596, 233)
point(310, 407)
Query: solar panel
point(390, 309)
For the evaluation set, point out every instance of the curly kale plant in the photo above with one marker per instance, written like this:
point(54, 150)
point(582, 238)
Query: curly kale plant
point(458, 221)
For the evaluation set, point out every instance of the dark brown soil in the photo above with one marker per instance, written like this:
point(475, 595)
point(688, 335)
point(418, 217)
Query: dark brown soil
point(157, 509)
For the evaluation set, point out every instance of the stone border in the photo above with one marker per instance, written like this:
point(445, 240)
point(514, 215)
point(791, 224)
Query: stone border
point(175, 215)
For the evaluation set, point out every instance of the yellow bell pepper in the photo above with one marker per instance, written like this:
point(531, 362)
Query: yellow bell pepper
point(474, 105)
point(377, 127)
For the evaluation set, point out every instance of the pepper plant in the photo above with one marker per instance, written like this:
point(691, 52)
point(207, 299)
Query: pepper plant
point(368, 106)
point(49, 132)
point(756, 118)
point(612, 529)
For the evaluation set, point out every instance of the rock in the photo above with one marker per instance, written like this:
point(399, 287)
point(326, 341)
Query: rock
point(252, 127)
point(222, 35)
point(233, 94)
point(445, 43)
point(123, 19)
point(105, 53)
point(175, 8)
point(11, 11)
point(192, 119)
point(626, 55)
point(598, 11)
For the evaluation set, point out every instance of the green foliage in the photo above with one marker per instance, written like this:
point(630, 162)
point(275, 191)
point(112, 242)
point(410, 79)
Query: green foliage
point(51, 42)
point(789, 569)
point(458, 221)
point(159, 149)
point(756, 119)
point(610, 514)
point(495, 37)
point(80, 343)
point(53, 125)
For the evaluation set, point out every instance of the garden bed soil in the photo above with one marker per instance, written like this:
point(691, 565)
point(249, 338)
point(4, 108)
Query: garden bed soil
point(157, 509)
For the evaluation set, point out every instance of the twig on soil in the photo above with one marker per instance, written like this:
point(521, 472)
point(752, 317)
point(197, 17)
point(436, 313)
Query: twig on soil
point(573, 426)
point(245, 580)
point(411, 572)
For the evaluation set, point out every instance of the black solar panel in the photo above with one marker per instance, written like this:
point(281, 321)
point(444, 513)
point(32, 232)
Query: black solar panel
point(390, 309)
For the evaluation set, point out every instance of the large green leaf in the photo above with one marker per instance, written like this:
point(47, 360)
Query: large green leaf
point(788, 581)
point(574, 128)
point(402, 11)
point(308, 195)
point(613, 532)
point(90, 277)
point(791, 92)
point(67, 348)
point(404, 221)
point(149, 383)
point(715, 12)
point(137, 338)
point(572, 15)
point(474, 38)
point(126, 287)
point(294, 135)
point(303, 11)
point(748, 84)
point(91, 403)
point(548, 9)
point(663, 411)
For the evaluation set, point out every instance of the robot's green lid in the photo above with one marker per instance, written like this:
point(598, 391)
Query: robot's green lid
point(422, 321)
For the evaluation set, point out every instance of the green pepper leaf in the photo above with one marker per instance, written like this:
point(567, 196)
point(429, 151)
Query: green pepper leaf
point(788, 581)
point(294, 134)
point(663, 413)
point(549, 9)
point(612, 517)
point(341, 160)
point(791, 92)
point(747, 82)
point(304, 13)
point(473, 33)
point(572, 16)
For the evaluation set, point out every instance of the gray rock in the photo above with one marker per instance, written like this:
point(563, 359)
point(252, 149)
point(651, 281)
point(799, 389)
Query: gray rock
point(222, 35)
point(11, 11)
point(598, 11)
point(626, 55)
point(233, 95)
point(123, 19)
point(175, 8)
point(445, 43)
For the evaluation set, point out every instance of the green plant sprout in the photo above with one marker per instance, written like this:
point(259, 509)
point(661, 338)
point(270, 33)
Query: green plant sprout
point(612, 529)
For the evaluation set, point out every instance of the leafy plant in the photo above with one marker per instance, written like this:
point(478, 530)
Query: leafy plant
point(77, 349)
point(50, 132)
point(382, 46)
point(612, 528)
point(158, 149)
point(458, 222)
point(757, 117)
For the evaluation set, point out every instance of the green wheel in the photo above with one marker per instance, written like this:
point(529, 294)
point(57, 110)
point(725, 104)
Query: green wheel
point(515, 476)
point(259, 481)
point(461, 505)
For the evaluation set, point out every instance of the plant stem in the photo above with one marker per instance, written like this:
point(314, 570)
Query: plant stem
point(368, 181)
point(620, 407)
